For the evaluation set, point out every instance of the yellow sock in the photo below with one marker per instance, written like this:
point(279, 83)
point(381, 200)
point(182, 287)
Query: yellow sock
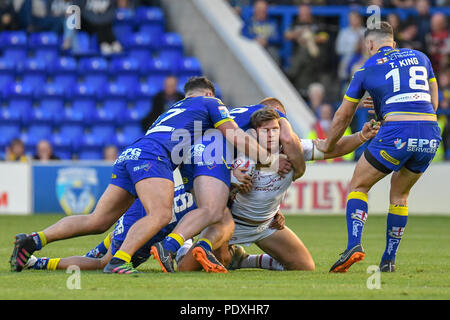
point(53, 263)
point(42, 238)
point(107, 241)
point(123, 256)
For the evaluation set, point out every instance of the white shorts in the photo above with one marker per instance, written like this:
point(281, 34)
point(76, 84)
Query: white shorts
point(247, 235)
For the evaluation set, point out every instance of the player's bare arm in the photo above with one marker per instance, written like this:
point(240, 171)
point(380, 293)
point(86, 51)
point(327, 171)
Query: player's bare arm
point(341, 121)
point(434, 92)
point(350, 143)
point(292, 147)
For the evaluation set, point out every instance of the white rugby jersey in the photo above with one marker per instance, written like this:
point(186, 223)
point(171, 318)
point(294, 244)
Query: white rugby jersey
point(268, 190)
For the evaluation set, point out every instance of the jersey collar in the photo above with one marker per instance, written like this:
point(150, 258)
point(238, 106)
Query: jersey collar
point(385, 48)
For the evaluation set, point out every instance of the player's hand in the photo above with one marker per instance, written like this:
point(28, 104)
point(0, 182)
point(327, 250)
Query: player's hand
point(285, 166)
point(278, 221)
point(370, 130)
point(245, 180)
point(322, 145)
point(368, 104)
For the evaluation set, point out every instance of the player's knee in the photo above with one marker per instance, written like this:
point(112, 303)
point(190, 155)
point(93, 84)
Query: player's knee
point(307, 265)
point(97, 226)
point(215, 214)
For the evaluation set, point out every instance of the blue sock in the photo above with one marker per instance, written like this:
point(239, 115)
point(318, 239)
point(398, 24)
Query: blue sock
point(396, 223)
point(101, 249)
point(38, 240)
point(41, 264)
point(356, 217)
point(205, 244)
point(173, 242)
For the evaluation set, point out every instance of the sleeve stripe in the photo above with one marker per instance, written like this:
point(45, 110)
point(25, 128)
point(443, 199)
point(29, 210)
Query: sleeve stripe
point(351, 99)
point(222, 121)
point(431, 80)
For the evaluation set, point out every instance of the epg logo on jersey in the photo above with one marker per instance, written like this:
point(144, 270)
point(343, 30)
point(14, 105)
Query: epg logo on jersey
point(422, 145)
point(129, 154)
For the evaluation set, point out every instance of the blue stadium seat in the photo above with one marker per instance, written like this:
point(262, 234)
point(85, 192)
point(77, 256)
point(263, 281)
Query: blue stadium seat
point(105, 132)
point(158, 67)
point(90, 155)
point(40, 131)
point(34, 72)
point(71, 132)
point(95, 71)
point(171, 47)
point(7, 72)
point(90, 142)
point(81, 91)
point(85, 45)
point(19, 95)
point(10, 116)
point(80, 113)
point(63, 65)
point(134, 115)
point(45, 45)
point(146, 90)
point(189, 67)
point(126, 71)
point(14, 45)
point(92, 65)
point(39, 115)
point(50, 100)
point(181, 82)
point(155, 30)
point(123, 24)
point(8, 132)
point(62, 145)
point(149, 16)
point(134, 131)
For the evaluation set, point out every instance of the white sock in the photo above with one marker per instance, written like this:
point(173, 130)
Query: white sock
point(183, 250)
point(262, 261)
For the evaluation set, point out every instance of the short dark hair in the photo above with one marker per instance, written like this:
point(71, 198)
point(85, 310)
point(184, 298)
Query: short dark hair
point(195, 83)
point(263, 115)
point(384, 30)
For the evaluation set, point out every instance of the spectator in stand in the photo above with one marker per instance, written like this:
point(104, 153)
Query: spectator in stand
point(394, 21)
point(238, 4)
point(8, 19)
point(438, 42)
point(310, 53)
point(16, 151)
point(422, 21)
point(35, 15)
point(403, 3)
point(322, 127)
point(316, 96)
point(44, 152)
point(263, 29)
point(110, 153)
point(347, 43)
point(97, 17)
point(162, 101)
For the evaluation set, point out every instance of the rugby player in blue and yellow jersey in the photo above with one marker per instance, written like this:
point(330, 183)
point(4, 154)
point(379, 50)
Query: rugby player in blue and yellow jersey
point(99, 257)
point(217, 171)
point(404, 90)
point(145, 170)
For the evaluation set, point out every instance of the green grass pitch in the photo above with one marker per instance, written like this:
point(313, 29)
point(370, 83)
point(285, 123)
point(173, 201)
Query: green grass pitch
point(423, 267)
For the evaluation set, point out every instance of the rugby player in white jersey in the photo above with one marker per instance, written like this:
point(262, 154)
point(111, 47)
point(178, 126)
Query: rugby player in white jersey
point(256, 213)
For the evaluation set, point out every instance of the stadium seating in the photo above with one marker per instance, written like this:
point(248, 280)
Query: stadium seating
point(80, 100)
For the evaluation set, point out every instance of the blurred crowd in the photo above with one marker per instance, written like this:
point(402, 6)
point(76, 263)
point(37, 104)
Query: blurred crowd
point(97, 17)
point(324, 56)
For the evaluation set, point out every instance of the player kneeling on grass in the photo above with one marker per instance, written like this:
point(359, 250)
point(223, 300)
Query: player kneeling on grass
point(99, 257)
point(255, 210)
